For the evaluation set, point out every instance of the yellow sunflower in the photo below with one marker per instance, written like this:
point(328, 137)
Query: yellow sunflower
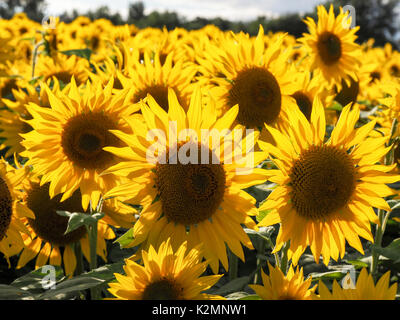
point(331, 45)
point(390, 107)
point(194, 202)
point(12, 211)
point(12, 120)
point(154, 78)
point(165, 275)
point(326, 191)
point(364, 289)
point(257, 78)
point(62, 67)
point(46, 239)
point(307, 89)
point(277, 286)
point(66, 146)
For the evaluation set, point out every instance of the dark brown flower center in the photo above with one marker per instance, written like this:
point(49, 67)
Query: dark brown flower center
point(190, 193)
point(395, 70)
point(63, 76)
point(304, 103)
point(376, 75)
point(5, 208)
point(8, 86)
point(163, 289)
point(259, 97)
point(329, 48)
point(49, 225)
point(160, 94)
point(323, 180)
point(348, 94)
point(84, 138)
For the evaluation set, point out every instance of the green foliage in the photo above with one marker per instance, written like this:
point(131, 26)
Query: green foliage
point(392, 251)
point(83, 53)
point(126, 239)
point(78, 219)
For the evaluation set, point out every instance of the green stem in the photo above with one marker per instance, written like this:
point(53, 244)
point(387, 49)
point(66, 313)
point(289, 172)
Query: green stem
point(92, 234)
point(284, 257)
point(380, 230)
point(79, 258)
point(260, 244)
point(34, 57)
point(233, 266)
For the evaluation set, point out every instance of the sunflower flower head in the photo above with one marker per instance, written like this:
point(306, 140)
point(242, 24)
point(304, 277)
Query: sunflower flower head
point(326, 191)
point(188, 188)
point(331, 44)
point(363, 289)
point(278, 286)
point(165, 275)
point(66, 146)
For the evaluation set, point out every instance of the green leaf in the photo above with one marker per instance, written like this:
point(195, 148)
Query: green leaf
point(233, 286)
point(251, 297)
point(79, 219)
point(32, 281)
point(242, 295)
point(83, 53)
point(336, 106)
point(262, 214)
point(12, 293)
point(88, 280)
point(126, 239)
point(392, 251)
point(263, 232)
point(358, 264)
point(331, 275)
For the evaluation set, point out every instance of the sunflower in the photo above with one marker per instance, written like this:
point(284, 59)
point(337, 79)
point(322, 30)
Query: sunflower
point(390, 107)
point(194, 202)
point(365, 289)
point(256, 78)
point(326, 191)
point(12, 211)
point(165, 275)
point(277, 286)
point(152, 77)
point(46, 240)
point(12, 120)
point(62, 67)
point(307, 89)
point(332, 48)
point(65, 147)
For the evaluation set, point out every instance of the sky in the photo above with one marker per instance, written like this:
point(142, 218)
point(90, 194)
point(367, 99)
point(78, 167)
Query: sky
point(239, 10)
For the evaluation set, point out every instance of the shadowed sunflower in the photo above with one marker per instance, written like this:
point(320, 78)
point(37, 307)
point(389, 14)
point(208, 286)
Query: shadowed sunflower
point(11, 210)
point(326, 190)
point(165, 275)
point(277, 286)
point(364, 289)
point(257, 78)
point(333, 51)
point(307, 89)
point(46, 239)
point(66, 146)
point(188, 200)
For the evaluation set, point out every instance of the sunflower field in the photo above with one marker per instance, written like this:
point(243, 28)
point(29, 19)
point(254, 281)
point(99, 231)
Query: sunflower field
point(147, 164)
